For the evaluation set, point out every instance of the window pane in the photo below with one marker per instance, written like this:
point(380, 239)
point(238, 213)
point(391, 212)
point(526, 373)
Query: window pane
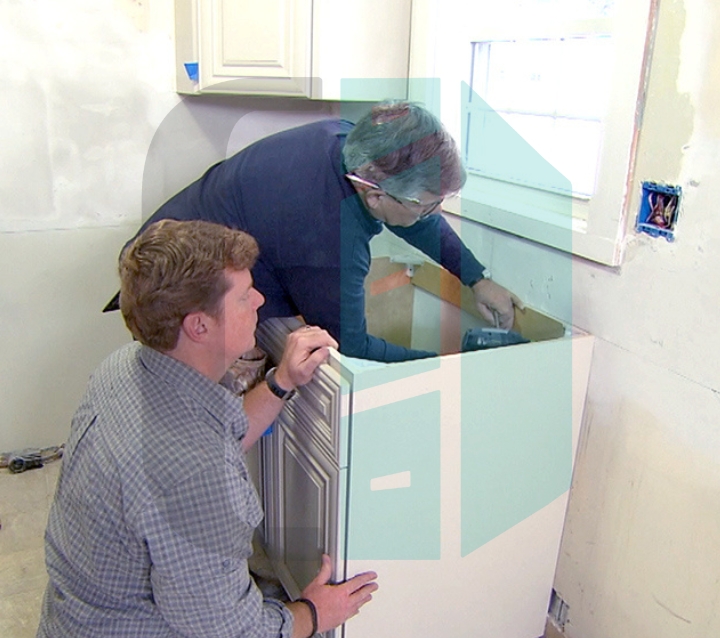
point(575, 151)
point(553, 93)
point(521, 76)
point(584, 82)
point(508, 148)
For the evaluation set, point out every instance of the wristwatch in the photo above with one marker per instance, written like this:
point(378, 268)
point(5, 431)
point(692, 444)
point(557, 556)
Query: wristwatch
point(279, 392)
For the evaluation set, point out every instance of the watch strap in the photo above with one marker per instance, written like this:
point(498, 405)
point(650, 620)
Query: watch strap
point(279, 392)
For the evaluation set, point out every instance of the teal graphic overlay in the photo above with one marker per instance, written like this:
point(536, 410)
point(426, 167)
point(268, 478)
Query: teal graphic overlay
point(516, 436)
point(371, 90)
point(510, 185)
point(370, 374)
point(359, 95)
point(516, 402)
point(401, 523)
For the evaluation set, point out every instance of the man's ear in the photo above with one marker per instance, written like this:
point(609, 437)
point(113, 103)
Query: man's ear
point(195, 326)
point(367, 189)
point(372, 197)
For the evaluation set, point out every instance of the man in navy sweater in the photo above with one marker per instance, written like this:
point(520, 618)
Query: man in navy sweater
point(315, 195)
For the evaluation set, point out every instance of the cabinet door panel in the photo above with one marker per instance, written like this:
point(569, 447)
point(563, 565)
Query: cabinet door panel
point(316, 410)
point(261, 44)
point(304, 509)
point(361, 49)
point(252, 47)
point(305, 522)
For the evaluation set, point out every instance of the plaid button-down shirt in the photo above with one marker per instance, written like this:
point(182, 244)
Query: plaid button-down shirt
point(151, 526)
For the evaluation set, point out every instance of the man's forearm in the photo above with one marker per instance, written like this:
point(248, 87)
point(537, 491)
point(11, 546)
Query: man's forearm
point(262, 408)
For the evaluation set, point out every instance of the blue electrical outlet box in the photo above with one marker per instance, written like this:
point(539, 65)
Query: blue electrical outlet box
point(658, 210)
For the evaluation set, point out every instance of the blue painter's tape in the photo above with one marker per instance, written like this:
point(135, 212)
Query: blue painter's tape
point(192, 70)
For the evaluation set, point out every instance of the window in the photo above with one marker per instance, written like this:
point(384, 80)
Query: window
point(552, 91)
point(551, 97)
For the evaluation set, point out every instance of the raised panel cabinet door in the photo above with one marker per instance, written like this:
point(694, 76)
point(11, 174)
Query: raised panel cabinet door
point(306, 507)
point(315, 411)
point(255, 47)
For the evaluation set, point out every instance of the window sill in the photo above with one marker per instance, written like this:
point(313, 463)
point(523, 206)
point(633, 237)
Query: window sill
point(550, 229)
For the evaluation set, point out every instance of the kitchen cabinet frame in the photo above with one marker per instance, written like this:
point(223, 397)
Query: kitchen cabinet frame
point(460, 548)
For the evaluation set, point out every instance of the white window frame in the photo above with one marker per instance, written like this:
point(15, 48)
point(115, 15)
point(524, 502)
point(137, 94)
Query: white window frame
point(442, 32)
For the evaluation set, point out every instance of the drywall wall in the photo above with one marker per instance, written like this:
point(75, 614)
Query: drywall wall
point(94, 140)
point(84, 89)
point(54, 284)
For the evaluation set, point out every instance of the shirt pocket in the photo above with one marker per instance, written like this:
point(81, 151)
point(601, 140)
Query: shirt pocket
point(243, 495)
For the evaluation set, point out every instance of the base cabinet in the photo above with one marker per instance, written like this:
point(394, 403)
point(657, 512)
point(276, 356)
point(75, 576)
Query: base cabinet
point(447, 476)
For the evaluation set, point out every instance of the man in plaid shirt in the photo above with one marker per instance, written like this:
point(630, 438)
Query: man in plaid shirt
point(151, 526)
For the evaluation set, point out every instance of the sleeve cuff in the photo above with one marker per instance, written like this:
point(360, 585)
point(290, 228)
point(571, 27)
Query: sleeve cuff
point(485, 274)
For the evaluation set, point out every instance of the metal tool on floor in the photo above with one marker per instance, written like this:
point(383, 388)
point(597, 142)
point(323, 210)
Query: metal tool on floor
point(30, 458)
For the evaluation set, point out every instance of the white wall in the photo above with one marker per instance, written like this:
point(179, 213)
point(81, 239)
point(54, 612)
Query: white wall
point(79, 106)
point(94, 138)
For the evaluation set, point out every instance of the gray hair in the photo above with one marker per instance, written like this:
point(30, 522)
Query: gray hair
point(404, 149)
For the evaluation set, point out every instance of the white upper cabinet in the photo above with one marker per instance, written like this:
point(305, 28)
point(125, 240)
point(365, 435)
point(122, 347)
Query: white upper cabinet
point(255, 47)
point(321, 49)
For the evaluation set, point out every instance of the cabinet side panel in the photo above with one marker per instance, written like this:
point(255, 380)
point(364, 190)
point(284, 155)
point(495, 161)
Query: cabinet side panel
point(394, 505)
point(516, 436)
point(369, 40)
point(186, 44)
